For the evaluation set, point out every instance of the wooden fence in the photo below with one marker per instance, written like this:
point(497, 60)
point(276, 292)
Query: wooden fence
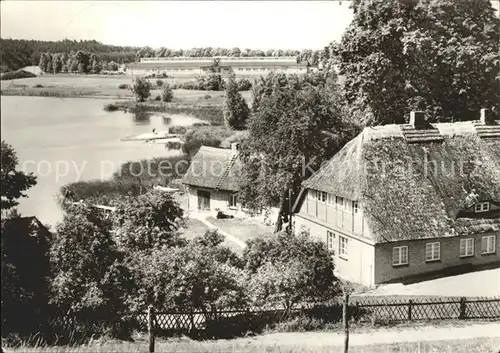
point(361, 309)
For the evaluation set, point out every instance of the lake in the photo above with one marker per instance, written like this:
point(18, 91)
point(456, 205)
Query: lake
point(63, 140)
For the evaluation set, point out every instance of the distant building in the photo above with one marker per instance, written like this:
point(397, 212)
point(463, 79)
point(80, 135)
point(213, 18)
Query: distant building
point(196, 66)
point(405, 200)
point(212, 180)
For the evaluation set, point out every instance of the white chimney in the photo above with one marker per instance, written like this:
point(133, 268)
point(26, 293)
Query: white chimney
point(417, 119)
point(235, 146)
point(487, 117)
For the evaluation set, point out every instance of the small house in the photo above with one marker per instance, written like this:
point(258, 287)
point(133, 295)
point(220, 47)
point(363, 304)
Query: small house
point(212, 180)
point(400, 201)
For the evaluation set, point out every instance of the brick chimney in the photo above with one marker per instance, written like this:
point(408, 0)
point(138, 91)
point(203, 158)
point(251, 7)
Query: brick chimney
point(487, 117)
point(417, 119)
point(235, 146)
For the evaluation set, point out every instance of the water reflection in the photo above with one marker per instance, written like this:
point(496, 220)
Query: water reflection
point(142, 118)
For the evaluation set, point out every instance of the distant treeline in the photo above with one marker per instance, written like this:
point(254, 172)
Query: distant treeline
point(18, 53)
point(83, 62)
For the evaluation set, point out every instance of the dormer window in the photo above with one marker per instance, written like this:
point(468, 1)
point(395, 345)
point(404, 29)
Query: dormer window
point(482, 207)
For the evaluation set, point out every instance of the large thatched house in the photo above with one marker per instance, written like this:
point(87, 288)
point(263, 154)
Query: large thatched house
point(212, 180)
point(404, 200)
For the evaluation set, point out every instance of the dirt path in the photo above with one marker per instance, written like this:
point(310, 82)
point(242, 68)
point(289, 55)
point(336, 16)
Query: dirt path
point(228, 236)
point(385, 336)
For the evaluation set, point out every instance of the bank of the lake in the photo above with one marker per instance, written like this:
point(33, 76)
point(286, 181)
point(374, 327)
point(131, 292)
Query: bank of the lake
point(63, 140)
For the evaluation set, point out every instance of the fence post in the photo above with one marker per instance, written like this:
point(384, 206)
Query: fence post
point(410, 303)
point(345, 318)
point(463, 305)
point(151, 331)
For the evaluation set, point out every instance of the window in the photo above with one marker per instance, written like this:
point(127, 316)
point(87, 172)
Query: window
point(343, 242)
point(400, 255)
point(233, 200)
point(331, 199)
point(347, 206)
point(321, 195)
point(488, 244)
point(340, 202)
point(466, 247)
point(355, 207)
point(482, 207)
point(432, 251)
point(330, 240)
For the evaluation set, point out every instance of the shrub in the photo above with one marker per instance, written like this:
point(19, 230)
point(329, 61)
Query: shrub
point(207, 96)
point(110, 107)
point(158, 98)
point(123, 86)
point(167, 94)
point(141, 89)
point(177, 130)
point(244, 84)
point(159, 83)
point(204, 136)
point(38, 86)
point(13, 75)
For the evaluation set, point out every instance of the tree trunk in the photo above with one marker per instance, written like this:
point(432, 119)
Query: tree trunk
point(279, 221)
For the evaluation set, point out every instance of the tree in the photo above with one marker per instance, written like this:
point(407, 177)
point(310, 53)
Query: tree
point(287, 270)
point(437, 56)
point(95, 64)
point(201, 276)
point(296, 124)
point(235, 108)
point(147, 221)
point(141, 89)
point(90, 281)
point(167, 94)
point(56, 63)
point(44, 59)
point(203, 136)
point(14, 182)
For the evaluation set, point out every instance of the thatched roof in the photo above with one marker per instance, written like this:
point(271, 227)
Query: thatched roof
point(214, 168)
point(412, 185)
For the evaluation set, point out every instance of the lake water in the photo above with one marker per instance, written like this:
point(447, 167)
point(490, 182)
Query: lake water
point(63, 140)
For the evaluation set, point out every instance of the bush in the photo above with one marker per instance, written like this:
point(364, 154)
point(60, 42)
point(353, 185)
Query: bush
point(141, 89)
point(177, 130)
point(110, 107)
point(13, 75)
point(207, 96)
point(123, 86)
point(167, 94)
point(158, 98)
point(204, 136)
point(38, 86)
point(244, 84)
point(159, 83)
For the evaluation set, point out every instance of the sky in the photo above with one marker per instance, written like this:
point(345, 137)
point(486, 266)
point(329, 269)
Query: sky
point(180, 24)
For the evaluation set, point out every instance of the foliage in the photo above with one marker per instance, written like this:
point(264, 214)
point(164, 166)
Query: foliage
point(90, 280)
point(236, 110)
point(437, 56)
point(141, 89)
point(289, 269)
point(14, 75)
point(147, 221)
point(167, 94)
point(159, 83)
point(203, 276)
point(203, 136)
point(296, 124)
point(25, 275)
point(123, 86)
point(102, 191)
point(110, 107)
point(14, 183)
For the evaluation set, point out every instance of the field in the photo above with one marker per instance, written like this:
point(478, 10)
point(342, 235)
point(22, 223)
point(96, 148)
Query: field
point(98, 86)
point(474, 338)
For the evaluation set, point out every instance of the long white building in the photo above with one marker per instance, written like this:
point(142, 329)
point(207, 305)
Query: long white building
point(194, 66)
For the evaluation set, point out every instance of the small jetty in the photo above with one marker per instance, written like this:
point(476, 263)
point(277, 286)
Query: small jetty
point(151, 136)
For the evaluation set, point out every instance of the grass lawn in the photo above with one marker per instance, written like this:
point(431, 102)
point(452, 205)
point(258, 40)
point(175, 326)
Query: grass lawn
point(96, 86)
point(254, 345)
point(242, 228)
point(193, 229)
